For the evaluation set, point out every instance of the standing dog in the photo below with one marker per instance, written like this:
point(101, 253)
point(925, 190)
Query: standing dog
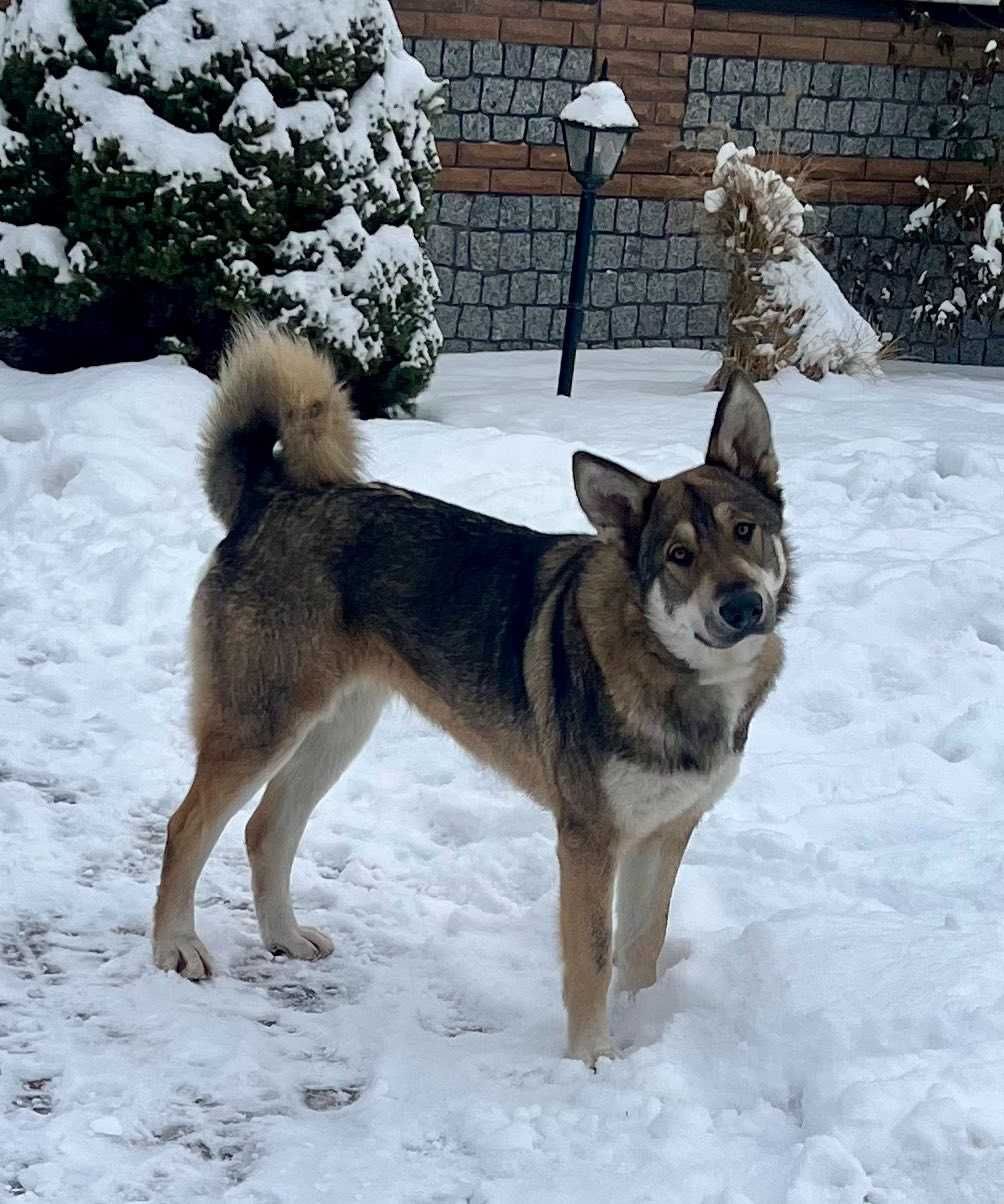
point(612, 677)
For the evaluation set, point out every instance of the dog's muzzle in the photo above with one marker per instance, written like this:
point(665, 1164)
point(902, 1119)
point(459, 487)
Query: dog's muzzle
point(741, 610)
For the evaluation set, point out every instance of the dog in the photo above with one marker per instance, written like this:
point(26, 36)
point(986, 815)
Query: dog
point(612, 677)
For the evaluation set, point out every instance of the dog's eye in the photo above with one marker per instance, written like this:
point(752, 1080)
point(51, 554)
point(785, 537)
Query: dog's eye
point(680, 554)
point(744, 532)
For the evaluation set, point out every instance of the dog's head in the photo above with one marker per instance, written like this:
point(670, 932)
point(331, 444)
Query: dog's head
point(706, 546)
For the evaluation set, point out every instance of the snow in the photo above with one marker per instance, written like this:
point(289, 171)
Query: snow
point(389, 264)
point(601, 105)
point(920, 218)
point(181, 37)
point(831, 332)
point(828, 1025)
point(254, 109)
point(45, 244)
point(100, 116)
point(12, 143)
point(40, 30)
point(989, 255)
point(728, 152)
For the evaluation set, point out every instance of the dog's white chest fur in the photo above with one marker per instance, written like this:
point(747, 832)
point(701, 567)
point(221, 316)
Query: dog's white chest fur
point(643, 800)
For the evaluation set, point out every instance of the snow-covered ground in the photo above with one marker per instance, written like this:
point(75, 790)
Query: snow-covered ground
point(829, 1027)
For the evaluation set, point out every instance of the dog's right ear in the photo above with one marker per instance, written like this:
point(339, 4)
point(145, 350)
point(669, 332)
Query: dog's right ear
point(616, 501)
point(740, 436)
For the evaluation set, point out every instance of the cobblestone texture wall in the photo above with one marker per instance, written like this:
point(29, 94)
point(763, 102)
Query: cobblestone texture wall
point(831, 108)
point(656, 278)
point(503, 93)
point(503, 267)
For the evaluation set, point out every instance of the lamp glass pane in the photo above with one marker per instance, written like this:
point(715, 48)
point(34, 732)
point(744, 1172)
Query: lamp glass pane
point(609, 147)
point(577, 146)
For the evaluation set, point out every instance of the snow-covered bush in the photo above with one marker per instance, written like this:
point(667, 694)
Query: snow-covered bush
point(969, 226)
point(783, 306)
point(947, 265)
point(965, 224)
point(165, 163)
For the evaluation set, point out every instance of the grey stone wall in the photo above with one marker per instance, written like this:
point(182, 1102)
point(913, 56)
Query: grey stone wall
point(503, 267)
point(502, 93)
point(656, 279)
point(832, 108)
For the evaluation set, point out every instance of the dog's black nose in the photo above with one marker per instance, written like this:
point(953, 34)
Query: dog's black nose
point(741, 609)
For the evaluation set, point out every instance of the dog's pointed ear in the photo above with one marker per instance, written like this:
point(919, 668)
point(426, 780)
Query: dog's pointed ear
point(740, 437)
point(616, 501)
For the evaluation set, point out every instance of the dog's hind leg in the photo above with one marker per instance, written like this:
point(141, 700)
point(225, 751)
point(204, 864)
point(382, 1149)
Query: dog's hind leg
point(226, 776)
point(275, 829)
point(644, 888)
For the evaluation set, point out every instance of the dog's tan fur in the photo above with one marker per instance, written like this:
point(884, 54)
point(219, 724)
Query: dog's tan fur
point(270, 379)
point(565, 662)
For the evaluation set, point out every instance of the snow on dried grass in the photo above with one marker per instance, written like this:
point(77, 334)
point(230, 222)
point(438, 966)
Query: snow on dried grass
point(784, 308)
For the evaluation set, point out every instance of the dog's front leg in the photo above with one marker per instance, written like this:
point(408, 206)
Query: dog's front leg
point(586, 857)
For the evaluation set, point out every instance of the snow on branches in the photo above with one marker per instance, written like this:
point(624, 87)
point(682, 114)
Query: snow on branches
point(208, 157)
point(971, 226)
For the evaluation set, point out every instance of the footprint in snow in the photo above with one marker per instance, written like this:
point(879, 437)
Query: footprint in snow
point(35, 1096)
point(329, 1099)
point(58, 475)
point(21, 427)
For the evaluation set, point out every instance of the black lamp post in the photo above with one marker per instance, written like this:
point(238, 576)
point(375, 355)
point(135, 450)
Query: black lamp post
point(597, 127)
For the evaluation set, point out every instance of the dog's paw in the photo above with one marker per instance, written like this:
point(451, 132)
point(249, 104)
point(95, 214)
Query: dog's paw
point(590, 1052)
point(184, 954)
point(306, 944)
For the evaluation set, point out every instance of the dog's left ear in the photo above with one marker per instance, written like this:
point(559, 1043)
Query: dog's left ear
point(616, 500)
point(740, 437)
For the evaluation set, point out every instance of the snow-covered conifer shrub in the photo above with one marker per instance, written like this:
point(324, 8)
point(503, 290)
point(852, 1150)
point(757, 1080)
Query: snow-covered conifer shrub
point(783, 306)
point(167, 163)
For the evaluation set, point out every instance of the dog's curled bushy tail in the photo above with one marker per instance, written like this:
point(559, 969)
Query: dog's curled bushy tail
point(275, 387)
